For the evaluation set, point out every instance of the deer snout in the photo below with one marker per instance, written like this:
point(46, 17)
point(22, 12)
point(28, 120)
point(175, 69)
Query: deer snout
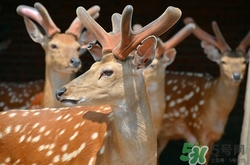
point(236, 76)
point(75, 62)
point(60, 92)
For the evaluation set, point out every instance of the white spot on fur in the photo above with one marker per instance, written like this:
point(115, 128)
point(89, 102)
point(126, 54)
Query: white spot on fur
point(182, 109)
point(36, 113)
point(176, 114)
point(94, 135)
point(175, 88)
point(197, 90)
point(12, 114)
point(168, 97)
point(47, 133)
point(17, 128)
point(73, 136)
point(194, 115)
point(7, 130)
point(7, 160)
point(56, 158)
point(201, 102)
point(35, 125)
point(36, 139)
point(171, 104)
point(50, 152)
point(179, 101)
point(62, 132)
point(102, 150)
point(65, 117)
point(69, 156)
point(169, 82)
point(91, 161)
point(42, 129)
point(59, 118)
point(21, 139)
point(64, 147)
point(76, 126)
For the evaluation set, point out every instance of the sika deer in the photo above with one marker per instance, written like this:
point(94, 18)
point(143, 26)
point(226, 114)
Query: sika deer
point(116, 127)
point(198, 107)
point(155, 74)
point(61, 57)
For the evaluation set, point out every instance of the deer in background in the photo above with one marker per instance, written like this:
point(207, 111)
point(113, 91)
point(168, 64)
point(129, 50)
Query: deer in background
point(114, 124)
point(198, 106)
point(62, 51)
point(155, 74)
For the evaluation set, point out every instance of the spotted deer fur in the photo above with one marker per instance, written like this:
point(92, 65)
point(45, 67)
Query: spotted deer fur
point(114, 125)
point(155, 74)
point(197, 105)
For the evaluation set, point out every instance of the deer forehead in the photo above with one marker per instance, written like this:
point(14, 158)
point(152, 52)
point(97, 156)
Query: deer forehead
point(234, 63)
point(65, 40)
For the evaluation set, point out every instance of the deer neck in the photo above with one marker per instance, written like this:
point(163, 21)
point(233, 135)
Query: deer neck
point(224, 95)
point(53, 81)
point(156, 94)
point(132, 127)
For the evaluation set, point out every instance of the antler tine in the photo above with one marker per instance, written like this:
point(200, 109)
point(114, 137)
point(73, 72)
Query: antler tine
point(77, 26)
point(222, 44)
point(30, 12)
point(131, 39)
point(101, 35)
point(201, 34)
point(116, 22)
point(50, 26)
point(244, 43)
point(137, 27)
point(180, 36)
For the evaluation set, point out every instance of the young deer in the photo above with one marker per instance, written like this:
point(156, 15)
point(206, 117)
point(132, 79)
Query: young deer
point(198, 107)
point(115, 125)
point(155, 74)
point(61, 57)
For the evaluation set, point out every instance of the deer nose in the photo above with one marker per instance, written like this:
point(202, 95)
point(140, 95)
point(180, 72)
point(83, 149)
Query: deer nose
point(236, 76)
point(60, 92)
point(75, 62)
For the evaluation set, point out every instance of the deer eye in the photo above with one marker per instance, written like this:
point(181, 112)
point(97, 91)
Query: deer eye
point(78, 49)
point(244, 62)
point(108, 72)
point(223, 62)
point(53, 46)
point(152, 66)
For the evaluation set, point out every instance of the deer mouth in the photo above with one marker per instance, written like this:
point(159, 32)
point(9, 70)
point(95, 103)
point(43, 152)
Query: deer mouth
point(71, 102)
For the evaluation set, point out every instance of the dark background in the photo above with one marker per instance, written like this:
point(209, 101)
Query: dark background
point(24, 60)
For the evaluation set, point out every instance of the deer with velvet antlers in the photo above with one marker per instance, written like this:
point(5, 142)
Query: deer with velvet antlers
point(155, 74)
point(62, 51)
point(114, 123)
point(198, 106)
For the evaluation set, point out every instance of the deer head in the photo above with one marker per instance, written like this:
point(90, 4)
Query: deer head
point(232, 63)
point(61, 49)
point(116, 47)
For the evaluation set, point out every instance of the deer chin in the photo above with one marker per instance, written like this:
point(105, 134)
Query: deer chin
point(67, 70)
point(72, 102)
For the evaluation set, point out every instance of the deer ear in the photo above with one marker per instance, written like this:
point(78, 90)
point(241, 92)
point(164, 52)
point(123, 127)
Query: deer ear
point(85, 38)
point(95, 50)
point(33, 31)
point(211, 52)
point(145, 53)
point(168, 57)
